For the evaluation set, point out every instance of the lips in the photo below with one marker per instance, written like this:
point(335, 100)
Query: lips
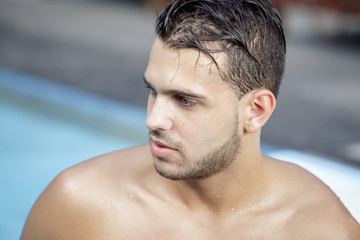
point(161, 144)
point(160, 149)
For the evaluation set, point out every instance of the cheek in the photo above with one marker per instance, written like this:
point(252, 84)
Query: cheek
point(208, 131)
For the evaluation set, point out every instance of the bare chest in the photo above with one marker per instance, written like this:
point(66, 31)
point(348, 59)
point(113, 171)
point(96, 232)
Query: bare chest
point(144, 224)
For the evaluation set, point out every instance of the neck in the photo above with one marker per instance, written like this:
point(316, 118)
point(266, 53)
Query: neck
point(237, 187)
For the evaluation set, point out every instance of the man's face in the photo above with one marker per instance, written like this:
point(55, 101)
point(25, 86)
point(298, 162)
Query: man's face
point(192, 114)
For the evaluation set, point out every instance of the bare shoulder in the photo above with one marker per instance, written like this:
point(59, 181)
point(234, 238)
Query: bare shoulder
point(316, 211)
point(114, 170)
point(79, 197)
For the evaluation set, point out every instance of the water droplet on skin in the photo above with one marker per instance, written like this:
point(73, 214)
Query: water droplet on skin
point(116, 204)
point(233, 209)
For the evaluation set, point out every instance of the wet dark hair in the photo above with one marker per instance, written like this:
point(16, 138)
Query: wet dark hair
point(249, 32)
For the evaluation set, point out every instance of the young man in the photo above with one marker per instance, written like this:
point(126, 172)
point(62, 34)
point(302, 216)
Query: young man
point(213, 75)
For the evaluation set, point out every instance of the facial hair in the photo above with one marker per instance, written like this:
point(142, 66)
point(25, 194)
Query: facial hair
point(212, 163)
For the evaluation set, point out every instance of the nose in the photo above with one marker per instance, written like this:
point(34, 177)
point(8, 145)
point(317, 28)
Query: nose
point(158, 115)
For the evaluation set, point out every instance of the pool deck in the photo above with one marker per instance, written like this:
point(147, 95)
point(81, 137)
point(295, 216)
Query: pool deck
point(46, 127)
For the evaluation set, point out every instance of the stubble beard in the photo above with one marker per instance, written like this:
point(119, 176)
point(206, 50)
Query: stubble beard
point(212, 163)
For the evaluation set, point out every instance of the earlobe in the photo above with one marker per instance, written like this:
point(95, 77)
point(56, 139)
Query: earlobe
point(261, 105)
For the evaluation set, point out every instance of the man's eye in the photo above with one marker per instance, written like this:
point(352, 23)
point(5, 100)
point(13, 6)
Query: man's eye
point(152, 91)
point(185, 102)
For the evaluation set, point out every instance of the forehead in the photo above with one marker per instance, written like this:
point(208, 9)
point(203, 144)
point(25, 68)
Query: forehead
point(185, 67)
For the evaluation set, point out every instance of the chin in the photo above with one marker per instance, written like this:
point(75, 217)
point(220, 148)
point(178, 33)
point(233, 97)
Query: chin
point(165, 169)
point(176, 175)
point(167, 174)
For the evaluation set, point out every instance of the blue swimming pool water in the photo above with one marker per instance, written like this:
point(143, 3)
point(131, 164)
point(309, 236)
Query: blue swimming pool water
point(46, 127)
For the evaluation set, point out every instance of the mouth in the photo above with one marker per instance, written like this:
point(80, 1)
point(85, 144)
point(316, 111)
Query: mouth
point(161, 149)
point(160, 144)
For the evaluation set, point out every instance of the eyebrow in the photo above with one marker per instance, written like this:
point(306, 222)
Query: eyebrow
point(184, 93)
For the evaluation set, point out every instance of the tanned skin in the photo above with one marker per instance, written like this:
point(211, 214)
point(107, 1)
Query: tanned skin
point(121, 195)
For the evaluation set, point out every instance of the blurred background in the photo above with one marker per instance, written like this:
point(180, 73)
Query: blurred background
point(103, 47)
point(100, 48)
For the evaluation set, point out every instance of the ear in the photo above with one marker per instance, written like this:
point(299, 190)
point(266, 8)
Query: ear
point(261, 104)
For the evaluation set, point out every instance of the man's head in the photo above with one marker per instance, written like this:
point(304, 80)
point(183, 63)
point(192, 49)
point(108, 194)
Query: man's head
point(212, 78)
point(249, 32)
point(193, 114)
